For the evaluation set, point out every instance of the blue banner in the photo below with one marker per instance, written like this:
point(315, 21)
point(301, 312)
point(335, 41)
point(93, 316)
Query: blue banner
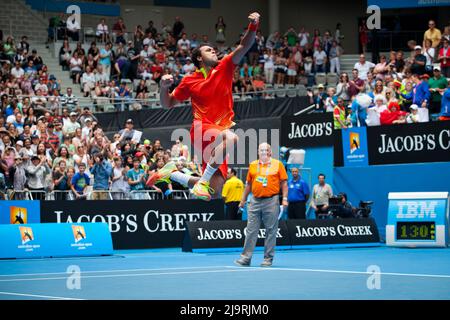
point(55, 240)
point(394, 4)
point(20, 212)
point(354, 145)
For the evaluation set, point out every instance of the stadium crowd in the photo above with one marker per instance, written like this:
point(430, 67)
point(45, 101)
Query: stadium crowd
point(48, 142)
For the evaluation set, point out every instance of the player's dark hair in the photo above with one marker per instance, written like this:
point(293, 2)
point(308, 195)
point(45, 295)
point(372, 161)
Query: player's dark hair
point(322, 175)
point(196, 53)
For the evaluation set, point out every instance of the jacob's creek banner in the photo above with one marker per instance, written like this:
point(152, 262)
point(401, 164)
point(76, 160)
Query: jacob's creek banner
point(395, 144)
point(409, 143)
point(136, 224)
point(307, 130)
point(19, 212)
point(54, 240)
point(291, 234)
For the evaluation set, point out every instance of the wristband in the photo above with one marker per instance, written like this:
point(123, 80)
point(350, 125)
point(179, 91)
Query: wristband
point(253, 26)
point(285, 198)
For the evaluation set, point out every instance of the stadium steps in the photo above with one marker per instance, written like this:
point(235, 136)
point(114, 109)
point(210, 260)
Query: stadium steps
point(18, 19)
point(55, 69)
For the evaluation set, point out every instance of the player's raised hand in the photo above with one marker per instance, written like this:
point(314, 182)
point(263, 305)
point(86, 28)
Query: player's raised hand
point(254, 17)
point(166, 81)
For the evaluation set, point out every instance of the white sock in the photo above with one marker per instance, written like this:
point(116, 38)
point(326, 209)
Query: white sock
point(180, 177)
point(209, 172)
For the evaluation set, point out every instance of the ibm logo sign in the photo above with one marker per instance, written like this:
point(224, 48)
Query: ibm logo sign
point(416, 209)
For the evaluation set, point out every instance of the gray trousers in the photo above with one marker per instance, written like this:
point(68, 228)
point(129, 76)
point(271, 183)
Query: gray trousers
point(267, 211)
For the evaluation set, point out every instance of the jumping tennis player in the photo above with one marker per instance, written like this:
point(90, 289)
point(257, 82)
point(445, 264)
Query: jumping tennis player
point(210, 90)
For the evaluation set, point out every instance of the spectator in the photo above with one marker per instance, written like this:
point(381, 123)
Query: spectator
point(392, 115)
point(105, 59)
point(119, 185)
point(69, 100)
point(382, 68)
point(101, 170)
point(303, 37)
point(20, 179)
point(60, 181)
point(76, 64)
point(343, 87)
point(363, 36)
point(421, 91)
point(419, 62)
point(444, 58)
point(433, 34)
point(37, 173)
point(363, 67)
point(79, 183)
point(321, 194)
point(438, 84)
point(356, 85)
point(232, 192)
point(119, 30)
point(220, 28)
point(413, 117)
point(71, 125)
point(73, 29)
point(429, 53)
point(88, 81)
point(102, 32)
point(334, 56)
point(298, 195)
point(339, 115)
point(320, 60)
point(445, 105)
point(136, 180)
point(178, 28)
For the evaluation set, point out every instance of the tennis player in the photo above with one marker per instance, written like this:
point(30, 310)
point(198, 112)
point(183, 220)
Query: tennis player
point(210, 90)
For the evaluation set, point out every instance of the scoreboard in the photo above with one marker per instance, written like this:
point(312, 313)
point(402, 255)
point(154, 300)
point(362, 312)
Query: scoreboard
point(418, 219)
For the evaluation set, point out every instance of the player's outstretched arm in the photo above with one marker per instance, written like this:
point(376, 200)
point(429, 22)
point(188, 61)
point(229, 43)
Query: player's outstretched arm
point(248, 39)
point(167, 100)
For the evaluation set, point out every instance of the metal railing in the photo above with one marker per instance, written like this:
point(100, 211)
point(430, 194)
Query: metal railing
point(93, 195)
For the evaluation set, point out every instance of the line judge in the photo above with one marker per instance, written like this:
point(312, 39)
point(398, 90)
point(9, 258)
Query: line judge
point(265, 178)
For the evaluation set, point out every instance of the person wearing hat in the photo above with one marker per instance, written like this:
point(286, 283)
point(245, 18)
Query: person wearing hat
point(72, 124)
point(128, 132)
point(413, 116)
point(438, 84)
point(419, 61)
point(421, 93)
point(86, 114)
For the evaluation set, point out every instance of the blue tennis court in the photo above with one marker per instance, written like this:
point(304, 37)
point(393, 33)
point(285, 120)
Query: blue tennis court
point(174, 275)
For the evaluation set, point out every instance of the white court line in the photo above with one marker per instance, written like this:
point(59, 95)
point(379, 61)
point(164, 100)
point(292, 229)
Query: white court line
point(351, 272)
point(139, 274)
point(36, 296)
point(109, 271)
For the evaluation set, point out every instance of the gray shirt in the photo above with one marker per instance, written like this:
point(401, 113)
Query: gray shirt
point(321, 194)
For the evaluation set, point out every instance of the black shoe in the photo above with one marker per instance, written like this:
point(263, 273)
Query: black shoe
point(242, 263)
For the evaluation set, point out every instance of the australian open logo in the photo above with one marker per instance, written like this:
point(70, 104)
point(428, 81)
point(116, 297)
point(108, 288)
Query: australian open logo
point(26, 234)
point(18, 215)
point(78, 233)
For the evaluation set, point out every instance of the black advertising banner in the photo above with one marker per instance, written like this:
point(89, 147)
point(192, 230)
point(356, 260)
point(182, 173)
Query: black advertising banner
point(307, 130)
point(226, 234)
point(332, 231)
point(231, 234)
point(409, 143)
point(138, 224)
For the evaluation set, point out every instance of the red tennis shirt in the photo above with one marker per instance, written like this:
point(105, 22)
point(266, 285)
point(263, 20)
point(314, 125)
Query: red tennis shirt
point(211, 97)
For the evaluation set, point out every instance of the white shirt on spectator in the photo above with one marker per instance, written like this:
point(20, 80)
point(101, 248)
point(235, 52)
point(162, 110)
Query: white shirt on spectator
point(88, 77)
point(75, 64)
point(17, 73)
point(188, 68)
point(363, 69)
point(303, 38)
point(184, 44)
point(70, 127)
point(41, 87)
point(102, 29)
point(150, 41)
point(320, 57)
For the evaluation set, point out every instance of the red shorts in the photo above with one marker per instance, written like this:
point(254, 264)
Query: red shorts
point(205, 133)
